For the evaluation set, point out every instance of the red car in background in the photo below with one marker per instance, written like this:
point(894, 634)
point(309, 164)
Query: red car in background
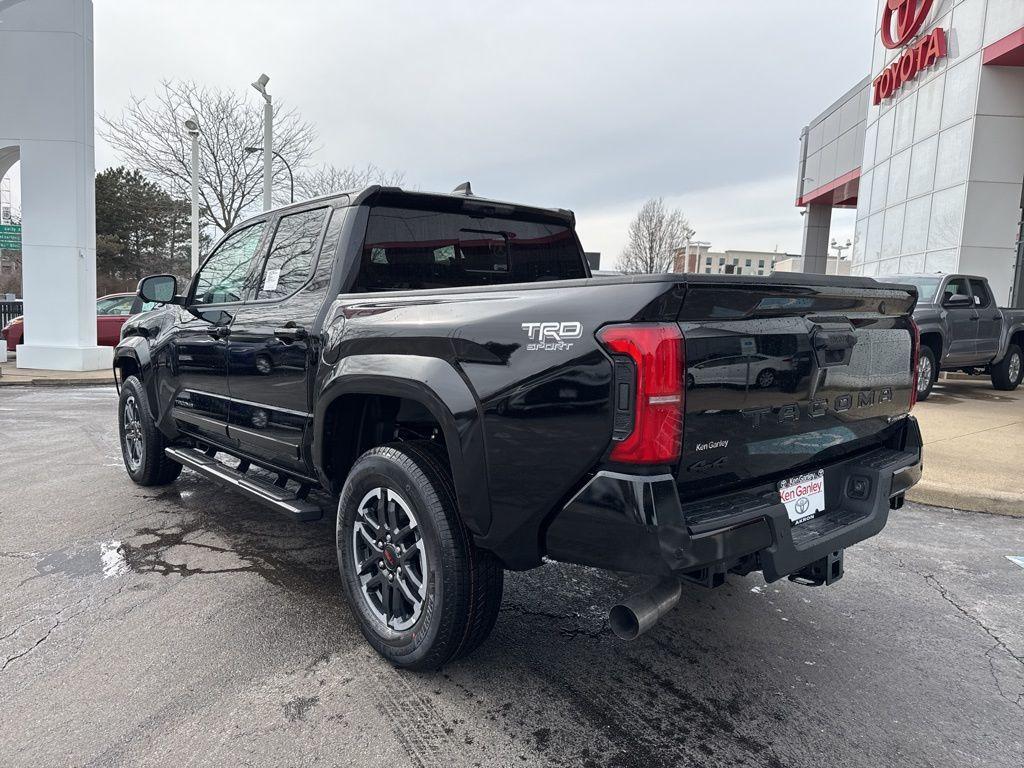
point(111, 312)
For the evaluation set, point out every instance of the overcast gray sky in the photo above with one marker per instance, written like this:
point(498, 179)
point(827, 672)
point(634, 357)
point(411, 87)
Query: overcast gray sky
point(593, 106)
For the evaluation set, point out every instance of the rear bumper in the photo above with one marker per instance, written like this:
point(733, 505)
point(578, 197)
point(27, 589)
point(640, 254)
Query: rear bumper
point(639, 524)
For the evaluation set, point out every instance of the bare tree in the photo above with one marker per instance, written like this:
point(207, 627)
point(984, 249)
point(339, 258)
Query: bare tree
point(654, 236)
point(149, 135)
point(328, 179)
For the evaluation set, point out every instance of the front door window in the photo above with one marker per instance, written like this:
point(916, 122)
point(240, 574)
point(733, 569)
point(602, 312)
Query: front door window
point(222, 278)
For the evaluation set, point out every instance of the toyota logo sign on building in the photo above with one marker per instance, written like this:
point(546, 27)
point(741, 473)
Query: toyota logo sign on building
point(902, 19)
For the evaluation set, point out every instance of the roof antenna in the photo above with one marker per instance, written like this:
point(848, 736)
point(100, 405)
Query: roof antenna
point(463, 189)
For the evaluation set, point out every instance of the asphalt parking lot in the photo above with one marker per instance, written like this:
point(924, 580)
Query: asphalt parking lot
point(185, 626)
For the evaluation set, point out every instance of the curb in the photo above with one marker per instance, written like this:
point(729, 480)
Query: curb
point(988, 501)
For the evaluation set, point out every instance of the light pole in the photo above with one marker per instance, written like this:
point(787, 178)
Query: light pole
point(840, 248)
point(193, 130)
point(291, 176)
point(699, 244)
point(268, 141)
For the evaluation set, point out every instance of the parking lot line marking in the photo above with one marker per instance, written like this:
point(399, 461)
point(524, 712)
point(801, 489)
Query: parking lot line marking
point(1016, 560)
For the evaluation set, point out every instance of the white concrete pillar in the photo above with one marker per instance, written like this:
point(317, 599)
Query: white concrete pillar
point(46, 53)
point(817, 228)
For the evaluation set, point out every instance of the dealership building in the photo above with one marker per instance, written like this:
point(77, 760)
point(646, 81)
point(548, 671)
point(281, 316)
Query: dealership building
point(928, 148)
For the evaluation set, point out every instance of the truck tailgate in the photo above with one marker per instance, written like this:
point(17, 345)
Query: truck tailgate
point(783, 379)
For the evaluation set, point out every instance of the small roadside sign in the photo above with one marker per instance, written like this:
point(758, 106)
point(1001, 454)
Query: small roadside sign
point(10, 236)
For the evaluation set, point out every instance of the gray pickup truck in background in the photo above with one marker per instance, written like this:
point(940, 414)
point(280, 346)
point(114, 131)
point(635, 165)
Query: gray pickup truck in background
point(962, 329)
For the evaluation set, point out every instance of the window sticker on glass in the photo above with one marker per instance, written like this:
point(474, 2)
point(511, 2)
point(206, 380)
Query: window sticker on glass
point(271, 279)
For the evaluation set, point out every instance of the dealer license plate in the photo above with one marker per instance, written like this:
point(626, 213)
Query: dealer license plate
point(804, 496)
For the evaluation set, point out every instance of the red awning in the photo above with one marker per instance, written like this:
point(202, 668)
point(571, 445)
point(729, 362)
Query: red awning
point(841, 193)
point(1008, 52)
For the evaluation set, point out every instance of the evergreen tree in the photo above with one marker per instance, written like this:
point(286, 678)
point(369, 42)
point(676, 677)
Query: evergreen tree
point(140, 230)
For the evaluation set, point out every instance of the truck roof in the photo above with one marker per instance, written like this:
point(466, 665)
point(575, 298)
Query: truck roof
point(467, 201)
point(936, 275)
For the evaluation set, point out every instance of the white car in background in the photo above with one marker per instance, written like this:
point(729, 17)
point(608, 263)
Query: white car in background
point(738, 371)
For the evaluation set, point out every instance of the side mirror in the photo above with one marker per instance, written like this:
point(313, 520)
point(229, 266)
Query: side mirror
point(161, 289)
point(957, 300)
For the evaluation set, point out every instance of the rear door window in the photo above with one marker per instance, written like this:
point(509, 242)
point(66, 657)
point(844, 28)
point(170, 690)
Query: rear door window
point(292, 255)
point(981, 296)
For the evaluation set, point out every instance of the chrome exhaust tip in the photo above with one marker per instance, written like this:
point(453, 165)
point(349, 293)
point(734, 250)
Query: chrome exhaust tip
point(638, 613)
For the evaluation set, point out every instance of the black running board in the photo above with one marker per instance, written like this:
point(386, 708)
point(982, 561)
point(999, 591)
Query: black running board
point(276, 496)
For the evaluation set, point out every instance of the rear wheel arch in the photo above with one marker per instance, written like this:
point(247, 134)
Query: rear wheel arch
point(357, 421)
point(934, 341)
point(357, 413)
point(1017, 337)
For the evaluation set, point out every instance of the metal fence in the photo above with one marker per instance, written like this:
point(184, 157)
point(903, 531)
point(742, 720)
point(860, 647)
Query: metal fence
point(9, 310)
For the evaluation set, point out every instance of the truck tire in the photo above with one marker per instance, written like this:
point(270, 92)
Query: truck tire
point(1007, 373)
point(422, 591)
point(927, 373)
point(142, 443)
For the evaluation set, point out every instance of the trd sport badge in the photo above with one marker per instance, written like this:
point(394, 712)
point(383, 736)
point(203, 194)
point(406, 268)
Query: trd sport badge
point(552, 336)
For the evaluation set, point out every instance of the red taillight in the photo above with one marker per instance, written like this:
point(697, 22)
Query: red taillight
point(915, 358)
point(659, 359)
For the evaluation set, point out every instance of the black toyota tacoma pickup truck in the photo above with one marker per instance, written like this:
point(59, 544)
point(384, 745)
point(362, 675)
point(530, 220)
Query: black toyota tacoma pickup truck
point(445, 367)
point(963, 329)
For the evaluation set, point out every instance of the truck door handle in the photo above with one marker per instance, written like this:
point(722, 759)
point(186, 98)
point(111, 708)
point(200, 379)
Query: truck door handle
point(219, 331)
point(291, 333)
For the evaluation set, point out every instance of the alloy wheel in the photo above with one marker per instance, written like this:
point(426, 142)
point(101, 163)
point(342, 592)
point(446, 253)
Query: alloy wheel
point(924, 374)
point(390, 558)
point(132, 438)
point(1013, 369)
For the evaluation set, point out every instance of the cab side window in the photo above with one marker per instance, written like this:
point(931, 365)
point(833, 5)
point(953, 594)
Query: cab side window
point(981, 295)
point(222, 278)
point(955, 287)
point(292, 254)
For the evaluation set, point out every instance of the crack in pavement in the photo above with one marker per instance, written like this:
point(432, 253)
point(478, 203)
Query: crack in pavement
point(930, 578)
point(938, 586)
point(1019, 700)
point(1000, 644)
point(20, 627)
point(57, 622)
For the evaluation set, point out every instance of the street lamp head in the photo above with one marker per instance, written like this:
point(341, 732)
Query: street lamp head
point(191, 125)
point(261, 85)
